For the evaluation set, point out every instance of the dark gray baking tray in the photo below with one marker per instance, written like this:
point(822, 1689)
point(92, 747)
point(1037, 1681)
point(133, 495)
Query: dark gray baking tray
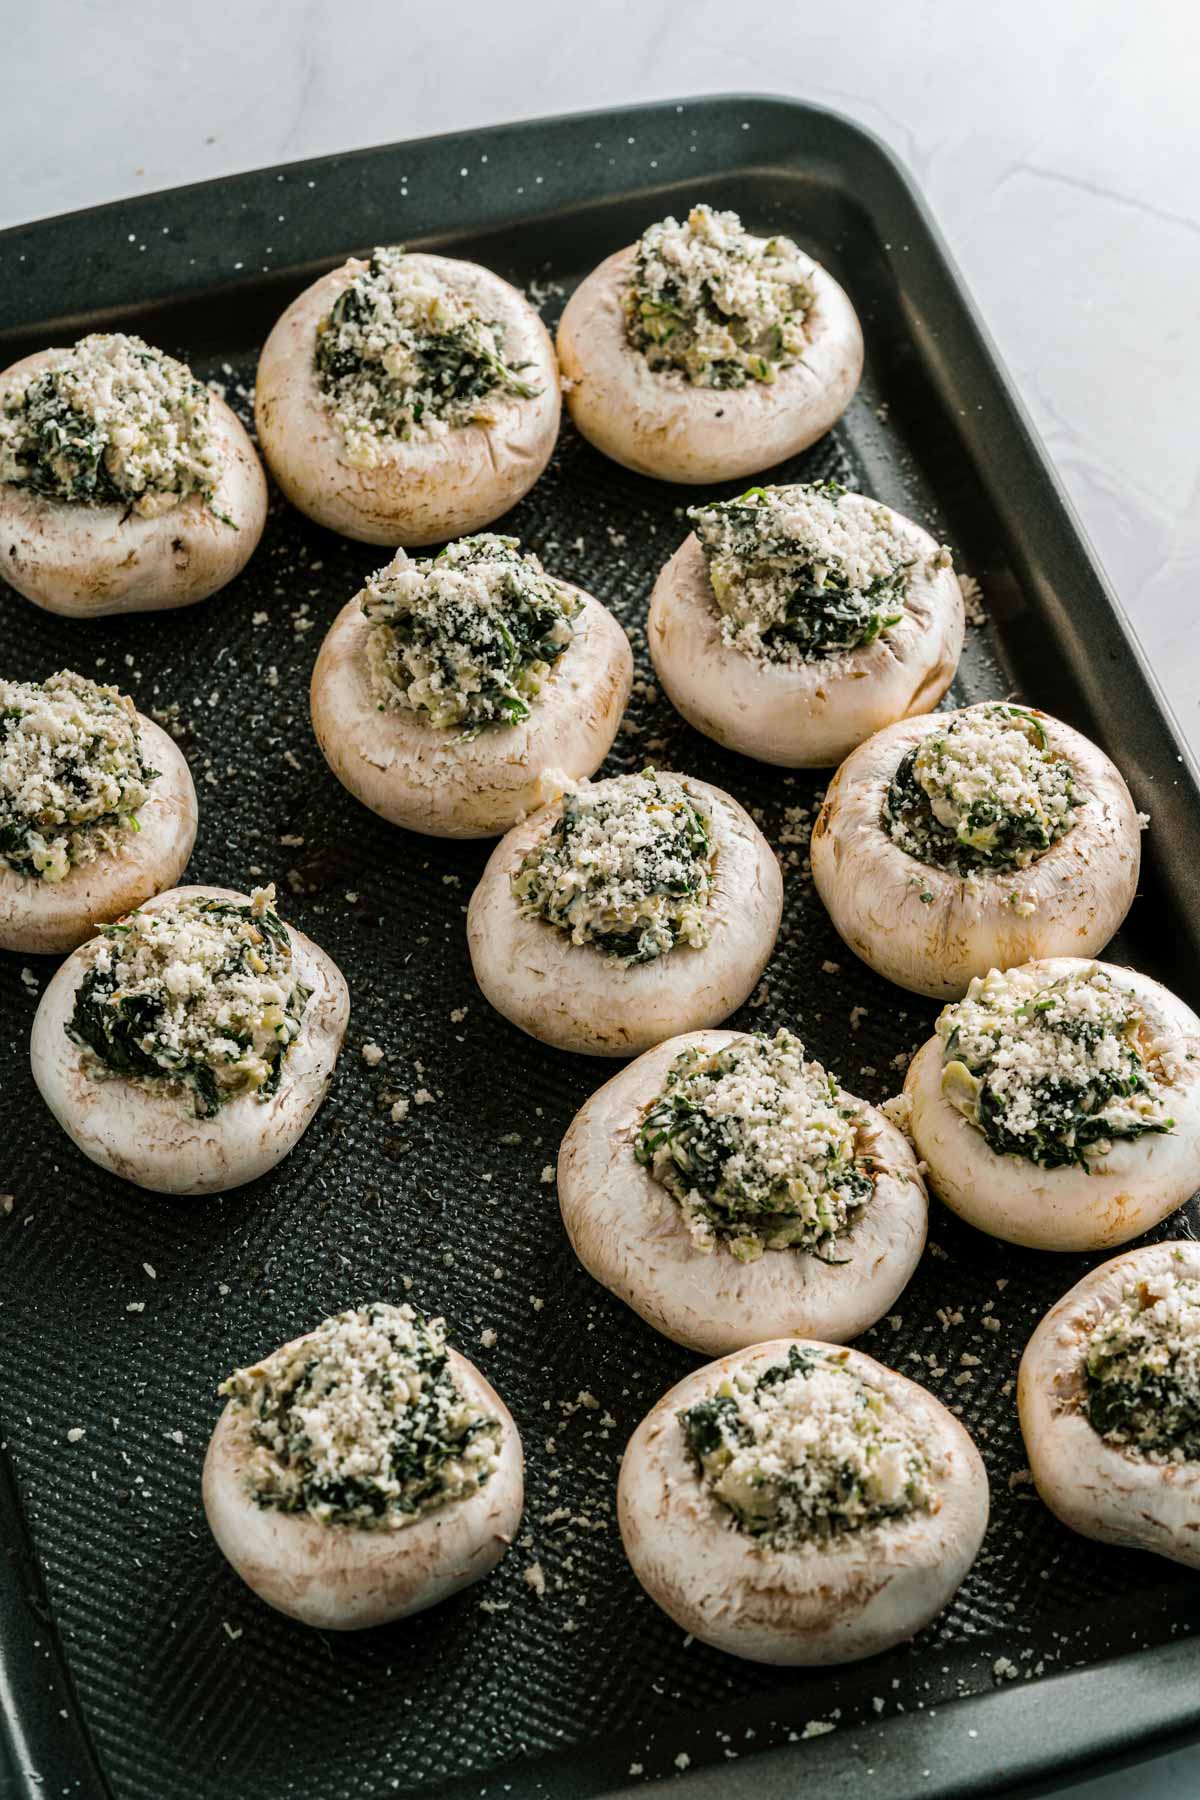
point(132, 1662)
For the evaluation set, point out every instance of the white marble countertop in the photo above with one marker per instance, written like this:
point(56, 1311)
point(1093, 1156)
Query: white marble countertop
point(1058, 146)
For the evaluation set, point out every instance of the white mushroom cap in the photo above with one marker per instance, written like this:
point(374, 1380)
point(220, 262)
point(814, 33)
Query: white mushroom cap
point(49, 917)
point(1095, 1487)
point(428, 489)
point(577, 997)
point(1120, 1195)
point(339, 1577)
point(150, 1136)
point(807, 714)
point(436, 780)
point(1068, 902)
point(662, 425)
point(629, 1232)
point(853, 1596)
point(87, 561)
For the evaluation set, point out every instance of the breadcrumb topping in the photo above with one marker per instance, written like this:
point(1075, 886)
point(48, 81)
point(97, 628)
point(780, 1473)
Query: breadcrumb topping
point(201, 995)
point(470, 636)
point(987, 792)
point(757, 1148)
point(1056, 1072)
point(362, 1422)
point(72, 774)
point(797, 573)
point(111, 421)
point(806, 1450)
point(715, 306)
point(403, 354)
point(1143, 1369)
point(626, 866)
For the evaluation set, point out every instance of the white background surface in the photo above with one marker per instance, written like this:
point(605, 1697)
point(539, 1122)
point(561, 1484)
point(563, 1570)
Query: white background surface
point(1057, 141)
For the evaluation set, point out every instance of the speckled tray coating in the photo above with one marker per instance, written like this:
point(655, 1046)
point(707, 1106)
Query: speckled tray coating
point(121, 1313)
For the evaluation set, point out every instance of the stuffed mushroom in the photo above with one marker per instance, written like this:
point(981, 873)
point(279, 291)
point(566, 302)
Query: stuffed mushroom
point(795, 621)
point(625, 912)
point(97, 810)
point(703, 353)
point(445, 690)
point(407, 399)
point(729, 1191)
point(1109, 1396)
point(126, 485)
point(187, 1047)
point(974, 840)
point(1058, 1105)
point(798, 1503)
point(363, 1472)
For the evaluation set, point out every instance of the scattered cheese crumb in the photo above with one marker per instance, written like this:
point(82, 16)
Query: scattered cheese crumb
point(535, 1577)
point(372, 1055)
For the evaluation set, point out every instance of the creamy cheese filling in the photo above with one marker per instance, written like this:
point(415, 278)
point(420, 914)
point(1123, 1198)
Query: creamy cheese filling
point(201, 996)
point(1142, 1366)
point(111, 422)
point(72, 774)
point(715, 306)
point(1055, 1072)
point(758, 1150)
point(469, 637)
point(627, 866)
point(363, 1424)
point(797, 574)
point(402, 355)
point(805, 1450)
point(988, 792)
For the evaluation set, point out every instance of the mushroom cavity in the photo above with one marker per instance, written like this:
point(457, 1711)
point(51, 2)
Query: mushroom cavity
point(625, 912)
point(363, 1472)
point(187, 1047)
point(795, 621)
point(1109, 1395)
point(799, 1503)
point(125, 484)
point(1058, 1105)
point(407, 399)
point(963, 842)
point(729, 1191)
point(447, 689)
point(702, 353)
point(97, 810)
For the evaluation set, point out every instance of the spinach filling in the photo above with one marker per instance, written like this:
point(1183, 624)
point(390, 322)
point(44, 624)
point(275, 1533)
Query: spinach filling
point(625, 867)
point(757, 1149)
point(1055, 1074)
point(794, 579)
point(201, 995)
point(1143, 1371)
point(987, 793)
point(363, 1423)
point(470, 637)
point(806, 1452)
point(400, 351)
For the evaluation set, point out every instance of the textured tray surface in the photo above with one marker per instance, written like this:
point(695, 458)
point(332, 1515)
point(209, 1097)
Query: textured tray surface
point(122, 1312)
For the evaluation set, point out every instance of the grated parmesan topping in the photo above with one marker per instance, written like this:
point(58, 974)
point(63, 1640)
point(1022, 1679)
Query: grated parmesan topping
point(755, 1145)
point(797, 575)
point(404, 355)
point(626, 866)
point(987, 792)
point(1053, 1072)
point(806, 1450)
point(715, 306)
point(201, 995)
point(468, 637)
point(1143, 1370)
point(362, 1422)
point(72, 775)
point(111, 422)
